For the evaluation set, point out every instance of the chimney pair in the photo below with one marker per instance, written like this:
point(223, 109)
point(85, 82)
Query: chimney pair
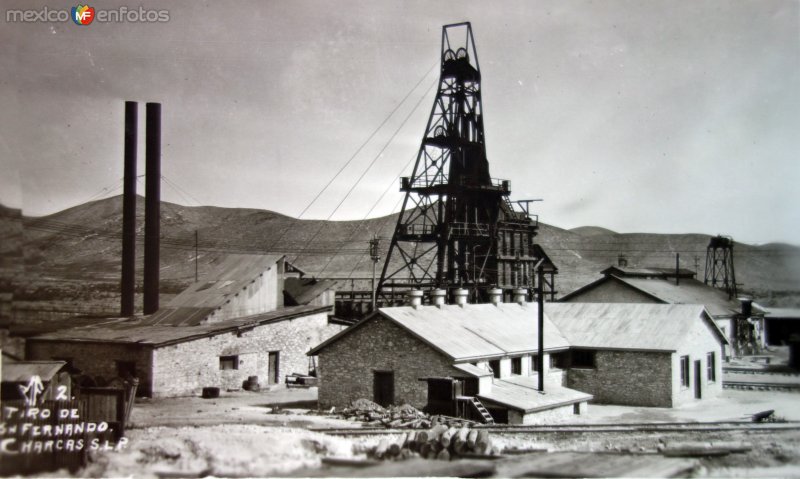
point(152, 218)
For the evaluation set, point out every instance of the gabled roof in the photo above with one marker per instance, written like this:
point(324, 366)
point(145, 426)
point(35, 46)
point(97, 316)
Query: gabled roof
point(133, 331)
point(304, 290)
point(624, 271)
point(782, 313)
point(472, 332)
point(477, 330)
point(483, 331)
point(231, 275)
point(22, 371)
point(640, 326)
point(688, 291)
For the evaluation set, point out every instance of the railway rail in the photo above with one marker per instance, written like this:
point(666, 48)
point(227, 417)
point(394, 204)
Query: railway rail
point(761, 386)
point(596, 428)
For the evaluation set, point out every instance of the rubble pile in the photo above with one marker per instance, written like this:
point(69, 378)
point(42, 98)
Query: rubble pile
point(439, 442)
point(405, 416)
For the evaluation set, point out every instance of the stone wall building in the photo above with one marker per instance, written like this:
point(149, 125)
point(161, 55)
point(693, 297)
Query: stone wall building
point(217, 333)
point(639, 354)
point(621, 284)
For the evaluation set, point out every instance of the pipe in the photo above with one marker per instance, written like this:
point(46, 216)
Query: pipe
point(128, 279)
point(152, 215)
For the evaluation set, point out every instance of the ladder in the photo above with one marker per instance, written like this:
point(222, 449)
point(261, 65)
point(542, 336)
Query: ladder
point(487, 418)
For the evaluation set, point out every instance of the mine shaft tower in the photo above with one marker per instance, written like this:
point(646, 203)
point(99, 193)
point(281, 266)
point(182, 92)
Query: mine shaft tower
point(458, 228)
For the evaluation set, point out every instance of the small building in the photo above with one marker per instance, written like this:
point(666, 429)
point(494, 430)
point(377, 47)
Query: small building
point(780, 324)
point(217, 333)
point(432, 356)
point(640, 354)
point(442, 358)
point(621, 284)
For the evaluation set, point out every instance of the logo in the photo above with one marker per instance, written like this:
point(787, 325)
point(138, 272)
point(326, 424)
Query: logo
point(82, 14)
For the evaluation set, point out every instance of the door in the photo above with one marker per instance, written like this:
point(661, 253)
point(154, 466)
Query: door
point(274, 364)
point(698, 370)
point(383, 387)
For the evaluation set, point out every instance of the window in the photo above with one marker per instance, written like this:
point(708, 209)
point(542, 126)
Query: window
point(228, 362)
point(516, 365)
point(495, 367)
point(685, 371)
point(559, 360)
point(711, 367)
point(583, 358)
point(535, 365)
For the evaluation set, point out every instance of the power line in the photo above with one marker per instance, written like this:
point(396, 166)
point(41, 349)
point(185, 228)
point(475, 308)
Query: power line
point(374, 160)
point(358, 150)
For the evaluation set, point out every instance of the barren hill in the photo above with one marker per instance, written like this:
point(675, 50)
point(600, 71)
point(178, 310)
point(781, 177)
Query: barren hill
point(81, 245)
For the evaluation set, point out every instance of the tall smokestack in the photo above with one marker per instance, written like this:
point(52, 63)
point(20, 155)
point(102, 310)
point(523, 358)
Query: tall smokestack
point(128, 281)
point(152, 210)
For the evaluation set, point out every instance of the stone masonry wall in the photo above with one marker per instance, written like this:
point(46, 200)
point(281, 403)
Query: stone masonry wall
point(185, 368)
point(699, 342)
point(346, 367)
point(97, 359)
point(627, 378)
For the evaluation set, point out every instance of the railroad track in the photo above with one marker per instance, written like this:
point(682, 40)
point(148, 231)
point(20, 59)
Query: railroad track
point(761, 386)
point(596, 428)
point(761, 372)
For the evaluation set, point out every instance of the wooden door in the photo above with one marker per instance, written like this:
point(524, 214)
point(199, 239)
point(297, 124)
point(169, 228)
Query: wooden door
point(383, 387)
point(272, 373)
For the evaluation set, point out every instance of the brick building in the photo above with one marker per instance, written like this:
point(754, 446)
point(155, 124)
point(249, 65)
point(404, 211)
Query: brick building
point(216, 333)
point(621, 284)
point(613, 353)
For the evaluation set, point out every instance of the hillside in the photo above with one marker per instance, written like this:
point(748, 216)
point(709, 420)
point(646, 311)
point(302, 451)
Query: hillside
point(81, 245)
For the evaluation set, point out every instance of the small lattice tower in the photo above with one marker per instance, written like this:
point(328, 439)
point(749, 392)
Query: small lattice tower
point(719, 265)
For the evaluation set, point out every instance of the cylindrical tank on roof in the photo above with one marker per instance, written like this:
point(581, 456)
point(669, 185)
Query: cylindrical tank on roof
point(495, 295)
point(414, 297)
point(438, 297)
point(520, 295)
point(460, 296)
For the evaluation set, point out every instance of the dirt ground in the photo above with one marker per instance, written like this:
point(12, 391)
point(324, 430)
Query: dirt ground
point(267, 434)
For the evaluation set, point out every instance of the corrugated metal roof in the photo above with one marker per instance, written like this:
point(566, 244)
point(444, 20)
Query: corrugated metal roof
point(472, 370)
point(229, 277)
point(139, 332)
point(689, 291)
point(22, 371)
point(485, 330)
point(783, 313)
point(521, 393)
point(195, 303)
point(659, 327)
point(477, 330)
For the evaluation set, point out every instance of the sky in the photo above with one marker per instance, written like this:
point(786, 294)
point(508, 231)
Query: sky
point(660, 116)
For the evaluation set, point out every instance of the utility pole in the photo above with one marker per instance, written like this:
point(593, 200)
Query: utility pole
point(196, 256)
point(540, 303)
point(374, 254)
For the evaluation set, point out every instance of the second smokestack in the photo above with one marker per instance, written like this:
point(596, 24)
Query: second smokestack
point(152, 212)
